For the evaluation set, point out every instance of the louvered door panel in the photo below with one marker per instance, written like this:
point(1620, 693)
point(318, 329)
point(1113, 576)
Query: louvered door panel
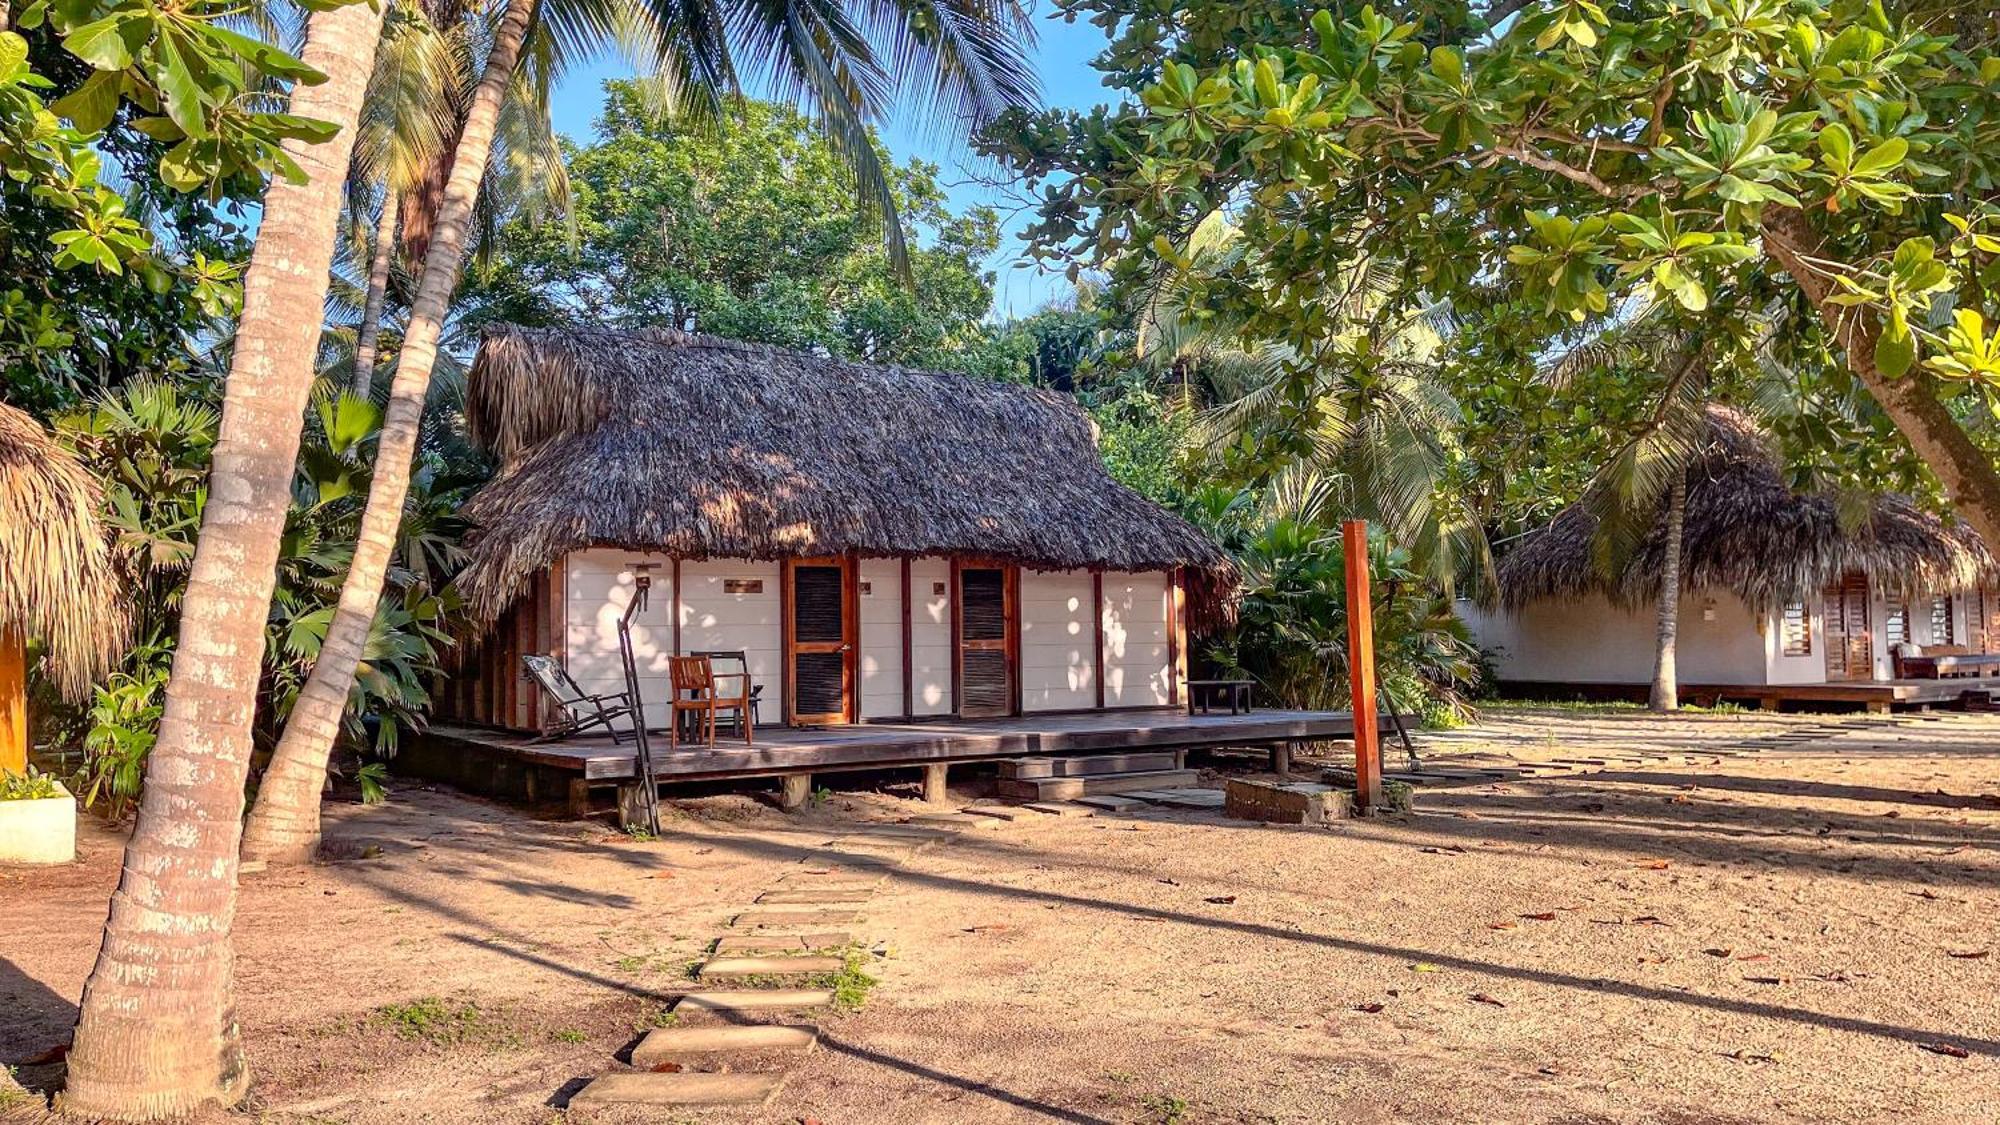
point(819, 638)
point(986, 654)
point(1850, 645)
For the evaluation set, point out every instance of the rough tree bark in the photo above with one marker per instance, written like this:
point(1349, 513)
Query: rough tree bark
point(156, 1035)
point(1666, 695)
point(284, 826)
point(1970, 479)
point(378, 291)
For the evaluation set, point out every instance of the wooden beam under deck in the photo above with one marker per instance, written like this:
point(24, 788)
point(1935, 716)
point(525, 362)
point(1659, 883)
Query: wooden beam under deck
point(885, 745)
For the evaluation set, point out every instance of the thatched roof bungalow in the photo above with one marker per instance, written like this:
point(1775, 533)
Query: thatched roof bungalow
point(1781, 587)
point(57, 581)
point(955, 541)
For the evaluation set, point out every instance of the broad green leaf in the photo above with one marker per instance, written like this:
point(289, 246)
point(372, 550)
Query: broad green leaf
point(1896, 346)
point(1837, 144)
point(110, 43)
point(92, 105)
point(1448, 65)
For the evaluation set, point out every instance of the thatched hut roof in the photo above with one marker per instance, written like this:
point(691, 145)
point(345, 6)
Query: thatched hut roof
point(1746, 531)
point(705, 448)
point(57, 582)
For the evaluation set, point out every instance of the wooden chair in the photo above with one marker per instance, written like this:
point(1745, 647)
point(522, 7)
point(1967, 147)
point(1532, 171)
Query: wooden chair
point(731, 663)
point(578, 710)
point(695, 690)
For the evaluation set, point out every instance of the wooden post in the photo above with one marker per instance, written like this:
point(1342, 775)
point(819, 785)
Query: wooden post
point(936, 792)
point(13, 701)
point(795, 789)
point(1361, 667)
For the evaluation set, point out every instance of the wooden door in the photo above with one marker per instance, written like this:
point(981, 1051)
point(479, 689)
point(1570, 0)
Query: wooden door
point(819, 641)
point(985, 629)
point(1850, 646)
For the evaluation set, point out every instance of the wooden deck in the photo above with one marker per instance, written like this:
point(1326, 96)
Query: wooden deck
point(511, 765)
point(1874, 695)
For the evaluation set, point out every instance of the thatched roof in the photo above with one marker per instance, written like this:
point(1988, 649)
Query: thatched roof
point(57, 582)
point(705, 448)
point(1746, 531)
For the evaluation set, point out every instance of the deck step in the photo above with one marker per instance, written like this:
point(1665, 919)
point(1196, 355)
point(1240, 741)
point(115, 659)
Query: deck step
point(1071, 788)
point(663, 1043)
point(1085, 765)
point(1110, 802)
point(815, 896)
point(783, 942)
point(753, 1000)
point(641, 1087)
point(1182, 798)
point(726, 968)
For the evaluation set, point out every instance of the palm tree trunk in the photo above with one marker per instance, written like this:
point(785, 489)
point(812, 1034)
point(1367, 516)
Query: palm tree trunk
point(378, 292)
point(156, 1035)
point(284, 825)
point(1666, 684)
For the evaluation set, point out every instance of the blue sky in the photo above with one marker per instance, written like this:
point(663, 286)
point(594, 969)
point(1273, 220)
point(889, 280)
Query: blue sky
point(1062, 57)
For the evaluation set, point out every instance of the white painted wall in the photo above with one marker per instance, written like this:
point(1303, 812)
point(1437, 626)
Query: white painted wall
point(1721, 641)
point(930, 637)
point(1058, 641)
point(881, 622)
point(598, 586)
point(1135, 639)
point(712, 618)
point(1807, 669)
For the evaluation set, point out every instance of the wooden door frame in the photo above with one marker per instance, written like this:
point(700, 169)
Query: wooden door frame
point(1833, 608)
point(1010, 641)
point(850, 627)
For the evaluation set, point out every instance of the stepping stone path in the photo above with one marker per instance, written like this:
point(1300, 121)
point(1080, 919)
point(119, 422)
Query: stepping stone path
point(797, 933)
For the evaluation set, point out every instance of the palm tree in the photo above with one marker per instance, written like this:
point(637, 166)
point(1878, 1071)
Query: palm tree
point(1363, 427)
point(156, 1035)
point(967, 55)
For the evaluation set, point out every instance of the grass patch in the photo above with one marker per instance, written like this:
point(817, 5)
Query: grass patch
point(1167, 1109)
point(443, 1023)
point(569, 1035)
point(660, 1017)
point(851, 984)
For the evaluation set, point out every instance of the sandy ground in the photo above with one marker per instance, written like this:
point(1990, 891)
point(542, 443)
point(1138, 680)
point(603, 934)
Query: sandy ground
point(1806, 933)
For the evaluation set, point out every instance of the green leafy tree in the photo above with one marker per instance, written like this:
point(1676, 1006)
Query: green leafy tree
point(753, 232)
point(1837, 152)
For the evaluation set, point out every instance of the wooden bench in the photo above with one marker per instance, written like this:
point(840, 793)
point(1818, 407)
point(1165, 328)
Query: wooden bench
point(1205, 691)
point(1935, 662)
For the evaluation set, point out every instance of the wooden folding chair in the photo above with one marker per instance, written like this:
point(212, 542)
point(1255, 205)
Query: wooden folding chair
point(695, 691)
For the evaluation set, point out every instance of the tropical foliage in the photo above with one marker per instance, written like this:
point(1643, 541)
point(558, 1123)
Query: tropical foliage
point(1834, 155)
point(753, 232)
point(150, 443)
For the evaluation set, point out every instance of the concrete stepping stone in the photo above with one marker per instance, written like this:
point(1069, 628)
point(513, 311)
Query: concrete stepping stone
point(835, 861)
point(912, 830)
point(1063, 808)
point(795, 919)
point(956, 821)
point(664, 1043)
point(725, 968)
point(842, 880)
point(642, 1087)
point(1111, 802)
point(998, 812)
point(878, 845)
point(753, 1000)
point(816, 896)
point(782, 942)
